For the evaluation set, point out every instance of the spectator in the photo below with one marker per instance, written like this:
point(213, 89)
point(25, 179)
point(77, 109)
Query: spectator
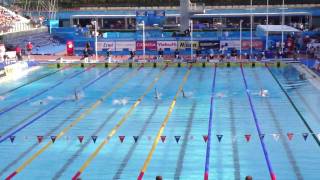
point(18, 53)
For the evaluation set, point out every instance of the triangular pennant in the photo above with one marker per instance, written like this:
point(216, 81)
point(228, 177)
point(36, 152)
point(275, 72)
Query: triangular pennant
point(177, 138)
point(163, 138)
point(305, 136)
point(121, 138)
point(276, 136)
point(12, 138)
point(80, 138)
point(94, 139)
point(262, 136)
point(40, 138)
point(290, 136)
point(219, 136)
point(135, 138)
point(248, 137)
point(53, 138)
point(205, 138)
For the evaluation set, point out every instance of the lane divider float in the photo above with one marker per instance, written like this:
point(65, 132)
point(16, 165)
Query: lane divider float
point(118, 125)
point(73, 123)
point(256, 121)
point(163, 125)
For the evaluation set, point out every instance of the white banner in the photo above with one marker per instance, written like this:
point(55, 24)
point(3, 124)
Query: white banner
point(230, 44)
point(167, 44)
point(107, 45)
point(120, 45)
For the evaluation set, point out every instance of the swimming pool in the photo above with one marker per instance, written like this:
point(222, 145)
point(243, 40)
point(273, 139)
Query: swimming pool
point(118, 104)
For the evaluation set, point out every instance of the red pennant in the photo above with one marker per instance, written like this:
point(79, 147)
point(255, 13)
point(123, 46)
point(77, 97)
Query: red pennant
point(290, 136)
point(12, 138)
point(177, 138)
point(80, 138)
point(94, 139)
point(121, 138)
point(205, 138)
point(163, 138)
point(53, 138)
point(248, 137)
point(135, 138)
point(40, 138)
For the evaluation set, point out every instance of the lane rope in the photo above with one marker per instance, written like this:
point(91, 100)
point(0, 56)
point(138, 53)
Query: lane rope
point(207, 162)
point(163, 125)
point(26, 124)
point(119, 124)
point(314, 135)
point(73, 75)
point(265, 152)
point(72, 124)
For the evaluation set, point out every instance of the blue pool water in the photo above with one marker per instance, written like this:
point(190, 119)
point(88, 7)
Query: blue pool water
point(232, 158)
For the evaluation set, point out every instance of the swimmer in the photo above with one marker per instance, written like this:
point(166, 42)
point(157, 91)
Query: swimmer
point(183, 94)
point(41, 102)
point(302, 76)
point(156, 94)
point(248, 178)
point(263, 93)
point(76, 97)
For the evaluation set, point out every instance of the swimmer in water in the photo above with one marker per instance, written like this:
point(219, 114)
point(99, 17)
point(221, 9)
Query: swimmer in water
point(76, 97)
point(302, 76)
point(263, 92)
point(156, 94)
point(183, 94)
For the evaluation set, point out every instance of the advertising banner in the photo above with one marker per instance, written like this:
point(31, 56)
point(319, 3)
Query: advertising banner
point(130, 45)
point(172, 45)
point(150, 45)
point(230, 44)
point(111, 45)
point(209, 44)
point(187, 44)
point(256, 44)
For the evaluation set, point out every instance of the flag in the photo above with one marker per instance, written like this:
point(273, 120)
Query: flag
point(121, 138)
point(94, 139)
point(53, 138)
point(290, 136)
point(248, 137)
point(163, 138)
point(205, 138)
point(177, 138)
point(80, 138)
point(305, 136)
point(135, 138)
point(276, 136)
point(219, 136)
point(12, 138)
point(40, 138)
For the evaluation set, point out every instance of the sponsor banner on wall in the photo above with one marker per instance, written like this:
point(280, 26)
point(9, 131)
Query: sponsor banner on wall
point(256, 44)
point(187, 44)
point(230, 44)
point(107, 45)
point(167, 45)
point(209, 44)
point(130, 45)
point(150, 45)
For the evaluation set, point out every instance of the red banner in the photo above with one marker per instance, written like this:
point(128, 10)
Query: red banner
point(150, 45)
point(256, 44)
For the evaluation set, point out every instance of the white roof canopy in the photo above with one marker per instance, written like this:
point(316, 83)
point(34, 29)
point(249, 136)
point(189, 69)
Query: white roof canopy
point(276, 28)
